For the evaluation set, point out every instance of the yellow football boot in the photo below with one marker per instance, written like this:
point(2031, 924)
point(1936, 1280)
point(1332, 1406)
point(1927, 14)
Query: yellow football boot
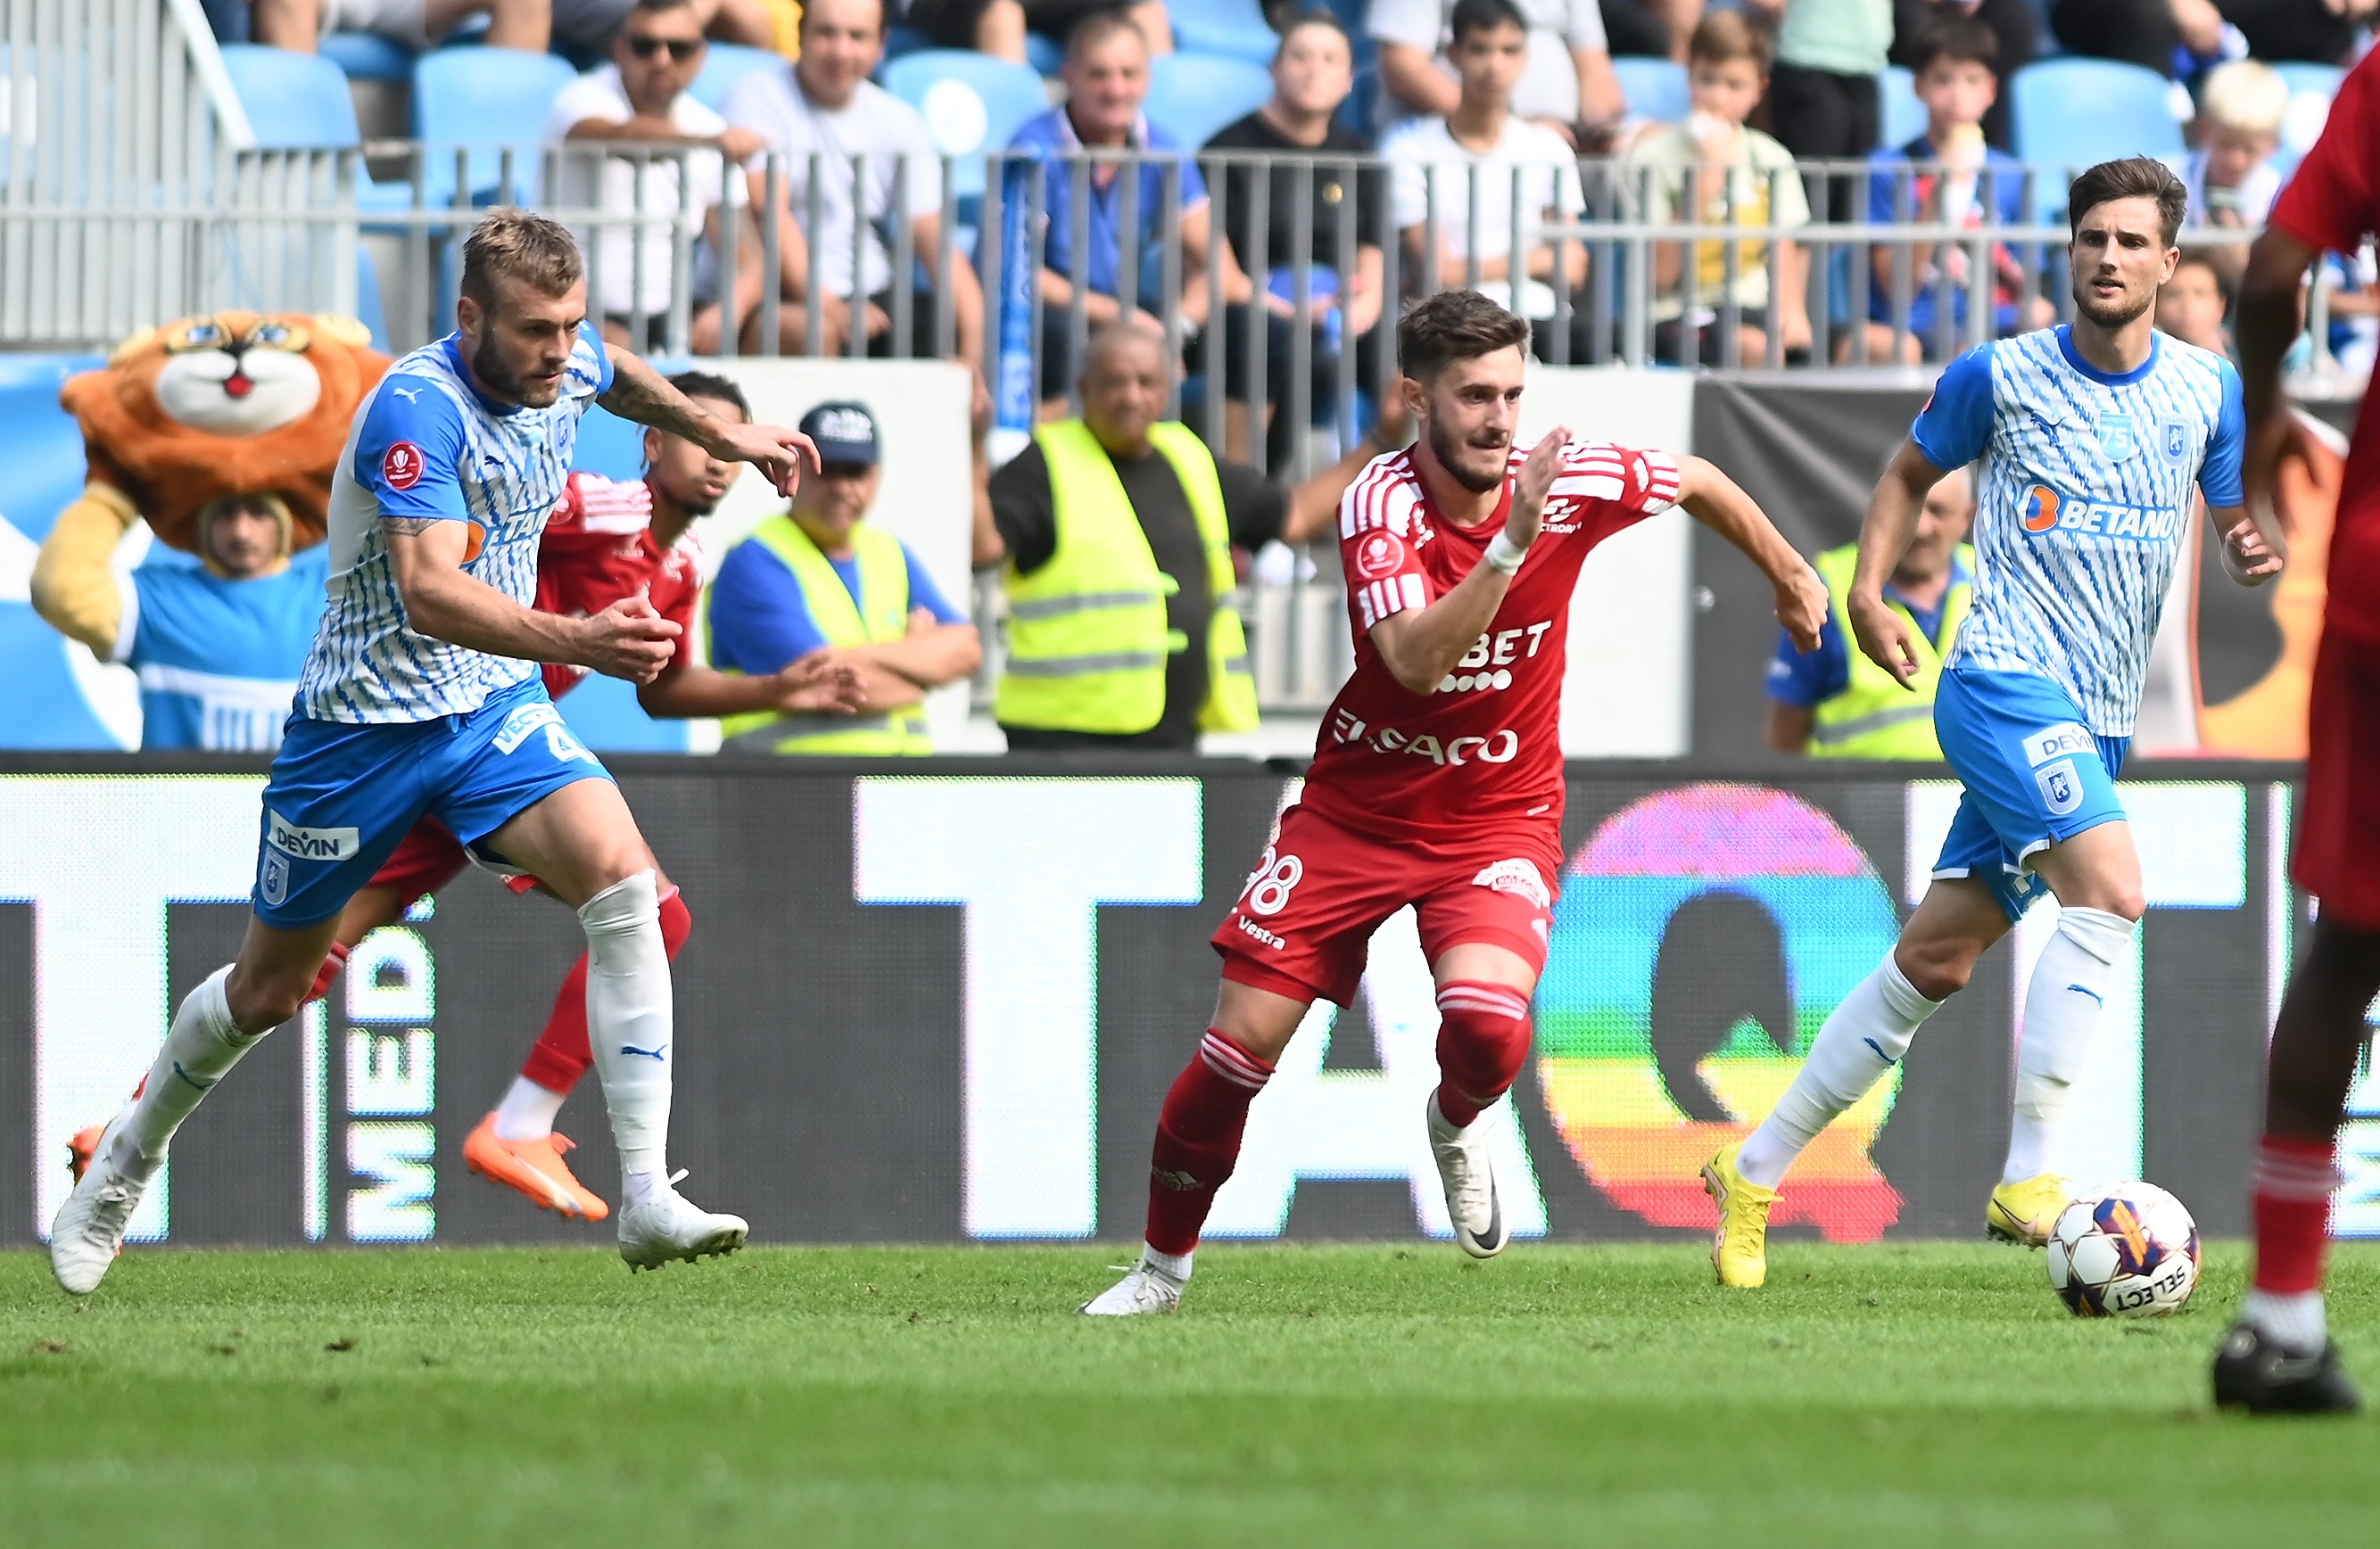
point(1740, 1247)
point(2025, 1213)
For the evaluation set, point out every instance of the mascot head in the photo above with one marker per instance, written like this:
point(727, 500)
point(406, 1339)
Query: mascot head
point(188, 415)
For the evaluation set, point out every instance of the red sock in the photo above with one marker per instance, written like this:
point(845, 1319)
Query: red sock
point(1198, 1139)
point(562, 1054)
point(2294, 1180)
point(1483, 1036)
point(328, 975)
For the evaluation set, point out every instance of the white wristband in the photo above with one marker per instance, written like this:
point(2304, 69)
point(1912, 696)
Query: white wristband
point(1505, 554)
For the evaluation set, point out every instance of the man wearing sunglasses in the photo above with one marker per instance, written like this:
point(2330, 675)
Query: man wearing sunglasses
point(640, 100)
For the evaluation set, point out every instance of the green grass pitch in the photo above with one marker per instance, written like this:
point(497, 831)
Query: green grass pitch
point(1912, 1396)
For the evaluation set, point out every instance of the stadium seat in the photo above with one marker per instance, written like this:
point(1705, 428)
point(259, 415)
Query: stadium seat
point(899, 42)
point(1045, 54)
point(1227, 29)
point(1904, 115)
point(728, 61)
point(486, 99)
point(368, 56)
point(972, 103)
point(294, 101)
point(2311, 86)
point(1656, 88)
point(1193, 95)
point(2072, 112)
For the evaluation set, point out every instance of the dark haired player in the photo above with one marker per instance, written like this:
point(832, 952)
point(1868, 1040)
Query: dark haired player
point(605, 541)
point(2280, 1357)
point(1439, 780)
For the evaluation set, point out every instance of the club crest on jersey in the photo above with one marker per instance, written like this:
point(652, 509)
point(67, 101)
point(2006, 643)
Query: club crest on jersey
point(1380, 554)
point(2061, 788)
point(2119, 438)
point(2177, 441)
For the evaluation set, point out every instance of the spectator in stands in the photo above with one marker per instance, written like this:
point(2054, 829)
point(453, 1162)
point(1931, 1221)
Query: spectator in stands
point(641, 97)
point(2230, 176)
point(825, 105)
point(2308, 31)
point(1713, 170)
point(299, 25)
point(1122, 634)
point(1657, 28)
point(1823, 103)
point(217, 644)
point(587, 27)
point(1833, 702)
point(1107, 79)
point(819, 576)
point(1567, 84)
point(2016, 31)
point(2194, 304)
point(1312, 71)
point(2144, 32)
point(1452, 165)
point(998, 27)
point(1948, 176)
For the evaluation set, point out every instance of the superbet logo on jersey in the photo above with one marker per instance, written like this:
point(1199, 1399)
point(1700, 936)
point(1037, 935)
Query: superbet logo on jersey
point(1488, 664)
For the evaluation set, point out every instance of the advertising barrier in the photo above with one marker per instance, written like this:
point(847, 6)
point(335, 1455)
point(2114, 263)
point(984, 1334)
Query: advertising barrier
point(943, 1004)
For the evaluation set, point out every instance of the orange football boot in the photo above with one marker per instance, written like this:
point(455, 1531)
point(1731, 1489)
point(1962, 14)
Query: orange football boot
point(533, 1167)
point(80, 1148)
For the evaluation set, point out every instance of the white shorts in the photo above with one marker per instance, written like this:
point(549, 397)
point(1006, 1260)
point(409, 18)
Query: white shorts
point(398, 20)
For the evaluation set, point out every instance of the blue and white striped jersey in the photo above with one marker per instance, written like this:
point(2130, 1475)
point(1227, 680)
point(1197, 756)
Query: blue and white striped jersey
point(2081, 501)
point(426, 443)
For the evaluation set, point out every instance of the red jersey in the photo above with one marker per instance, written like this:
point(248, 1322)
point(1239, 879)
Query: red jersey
point(1483, 748)
point(2332, 201)
point(599, 546)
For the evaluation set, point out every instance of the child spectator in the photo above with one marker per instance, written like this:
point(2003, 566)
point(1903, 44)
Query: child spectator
point(2230, 176)
point(1948, 176)
point(1712, 170)
point(2194, 303)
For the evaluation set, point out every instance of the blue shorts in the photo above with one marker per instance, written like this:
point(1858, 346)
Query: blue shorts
point(2034, 773)
point(342, 795)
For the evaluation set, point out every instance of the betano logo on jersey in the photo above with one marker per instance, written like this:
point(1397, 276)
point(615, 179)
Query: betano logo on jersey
point(1642, 1095)
point(2045, 510)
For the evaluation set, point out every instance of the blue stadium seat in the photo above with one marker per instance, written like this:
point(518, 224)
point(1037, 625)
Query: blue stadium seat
point(972, 103)
point(2311, 86)
point(899, 42)
point(1045, 54)
point(2072, 112)
point(368, 56)
point(1194, 94)
point(1904, 115)
point(294, 101)
point(727, 61)
point(486, 99)
point(1229, 28)
point(1656, 88)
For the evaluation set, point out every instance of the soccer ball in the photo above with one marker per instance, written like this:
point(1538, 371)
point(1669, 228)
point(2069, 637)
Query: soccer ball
point(2131, 1253)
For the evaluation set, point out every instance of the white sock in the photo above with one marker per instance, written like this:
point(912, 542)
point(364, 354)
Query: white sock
point(528, 1112)
point(203, 1045)
point(1176, 1265)
point(629, 1025)
point(2292, 1320)
point(1865, 1038)
point(2061, 1013)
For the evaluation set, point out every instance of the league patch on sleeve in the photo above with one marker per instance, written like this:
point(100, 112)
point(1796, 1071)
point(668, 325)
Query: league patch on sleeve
point(401, 466)
point(1380, 554)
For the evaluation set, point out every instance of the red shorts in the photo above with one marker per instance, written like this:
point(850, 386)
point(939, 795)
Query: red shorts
point(2338, 842)
point(1304, 924)
point(425, 860)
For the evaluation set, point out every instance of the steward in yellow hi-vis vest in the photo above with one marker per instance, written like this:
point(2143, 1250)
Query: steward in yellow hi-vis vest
point(1089, 638)
point(819, 576)
point(1854, 709)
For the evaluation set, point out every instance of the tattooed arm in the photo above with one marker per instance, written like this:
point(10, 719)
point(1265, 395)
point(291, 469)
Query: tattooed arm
point(642, 393)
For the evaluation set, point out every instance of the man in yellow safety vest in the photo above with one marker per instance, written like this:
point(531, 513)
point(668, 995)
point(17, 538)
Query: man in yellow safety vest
point(819, 576)
point(1116, 534)
point(1835, 703)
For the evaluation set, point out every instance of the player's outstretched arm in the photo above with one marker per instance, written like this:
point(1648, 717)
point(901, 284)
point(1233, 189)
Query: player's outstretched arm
point(1420, 647)
point(1883, 544)
point(643, 395)
point(1719, 503)
point(816, 684)
point(628, 640)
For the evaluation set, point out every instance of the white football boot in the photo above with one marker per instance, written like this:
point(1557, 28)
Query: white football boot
point(1147, 1289)
point(89, 1230)
point(1470, 1180)
point(663, 1226)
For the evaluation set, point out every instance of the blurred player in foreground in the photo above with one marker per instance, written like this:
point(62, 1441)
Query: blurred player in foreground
point(2091, 438)
point(2280, 1358)
point(422, 697)
point(606, 541)
point(1439, 780)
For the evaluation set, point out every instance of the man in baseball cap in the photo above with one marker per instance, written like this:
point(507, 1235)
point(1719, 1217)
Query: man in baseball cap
point(819, 576)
